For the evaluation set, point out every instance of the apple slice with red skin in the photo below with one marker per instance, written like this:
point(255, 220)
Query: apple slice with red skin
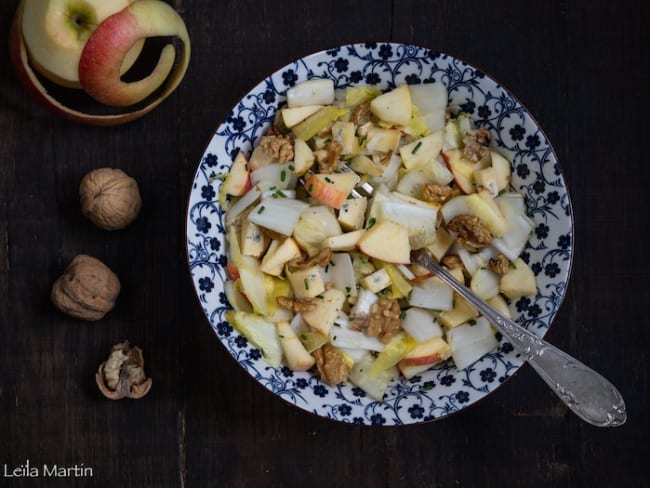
point(460, 168)
point(331, 189)
point(28, 77)
point(238, 180)
point(108, 46)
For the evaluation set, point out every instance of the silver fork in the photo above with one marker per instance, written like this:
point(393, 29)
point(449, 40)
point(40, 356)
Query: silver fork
point(589, 395)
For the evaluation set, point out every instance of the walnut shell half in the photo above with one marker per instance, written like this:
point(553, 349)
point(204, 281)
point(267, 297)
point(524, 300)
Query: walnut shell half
point(122, 374)
point(110, 198)
point(86, 290)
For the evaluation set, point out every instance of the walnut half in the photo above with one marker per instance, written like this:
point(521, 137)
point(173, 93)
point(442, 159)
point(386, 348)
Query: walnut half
point(331, 365)
point(122, 374)
point(472, 234)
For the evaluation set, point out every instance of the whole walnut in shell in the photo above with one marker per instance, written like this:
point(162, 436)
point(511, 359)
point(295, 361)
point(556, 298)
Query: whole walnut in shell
point(87, 289)
point(110, 198)
point(122, 374)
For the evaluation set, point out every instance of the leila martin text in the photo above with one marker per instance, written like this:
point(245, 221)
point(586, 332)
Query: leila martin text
point(28, 470)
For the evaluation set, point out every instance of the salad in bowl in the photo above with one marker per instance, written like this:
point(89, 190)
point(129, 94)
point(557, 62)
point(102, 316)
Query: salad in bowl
point(312, 195)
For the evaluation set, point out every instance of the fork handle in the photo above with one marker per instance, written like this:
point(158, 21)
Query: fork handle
point(588, 394)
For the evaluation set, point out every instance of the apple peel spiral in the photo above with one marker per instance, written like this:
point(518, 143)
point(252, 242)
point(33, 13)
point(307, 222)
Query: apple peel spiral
point(136, 22)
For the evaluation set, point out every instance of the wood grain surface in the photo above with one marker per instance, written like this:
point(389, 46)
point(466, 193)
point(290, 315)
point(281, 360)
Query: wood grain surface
point(582, 69)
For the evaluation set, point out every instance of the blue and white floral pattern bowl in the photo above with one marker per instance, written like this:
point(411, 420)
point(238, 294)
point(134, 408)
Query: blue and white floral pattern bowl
point(536, 173)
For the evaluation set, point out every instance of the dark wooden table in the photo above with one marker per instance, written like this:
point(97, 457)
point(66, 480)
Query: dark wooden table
point(581, 67)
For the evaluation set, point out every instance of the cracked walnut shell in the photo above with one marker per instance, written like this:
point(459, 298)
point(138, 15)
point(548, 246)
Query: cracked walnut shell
point(122, 374)
point(86, 290)
point(110, 198)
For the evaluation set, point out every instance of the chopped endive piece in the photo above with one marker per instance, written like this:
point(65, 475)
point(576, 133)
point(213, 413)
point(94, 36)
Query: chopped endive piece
point(260, 332)
point(295, 115)
point(315, 123)
point(341, 272)
point(297, 357)
point(278, 214)
point(356, 95)
point(317, 91)
point(366, 166)
point(399, 286)
point(248, 199)
point(312, 340)
point(417, 126)
point(235, 297)
point(373, 385)
point(471, 341)
point(396, 350)
point(421, 324)
point(431, 294)
point(431, 101)
point(420, 222)
point(252, 284)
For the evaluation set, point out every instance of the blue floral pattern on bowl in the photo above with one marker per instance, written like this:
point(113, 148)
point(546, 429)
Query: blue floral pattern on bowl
point(536, 174)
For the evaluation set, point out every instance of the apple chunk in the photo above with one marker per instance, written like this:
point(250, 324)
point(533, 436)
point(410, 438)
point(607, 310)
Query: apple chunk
point(238, 180)
point(323, 316)
point(386, 241)
point(394, 106)
point(298, 359)
point(331, 189)
point(104, 53)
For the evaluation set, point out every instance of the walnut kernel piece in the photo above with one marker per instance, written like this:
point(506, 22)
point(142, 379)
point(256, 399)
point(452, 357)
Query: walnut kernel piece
point(476, 144)
point(472, 234)
point(296, 305)
point(330, 365)
point(438, 193)
point(86, 290)
point(109, 198)
point(278, 146)
point(122, 374)
point(328, 157)
point(322, 259)
point(500, 264)
point(361, 114)
point(384, 319)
